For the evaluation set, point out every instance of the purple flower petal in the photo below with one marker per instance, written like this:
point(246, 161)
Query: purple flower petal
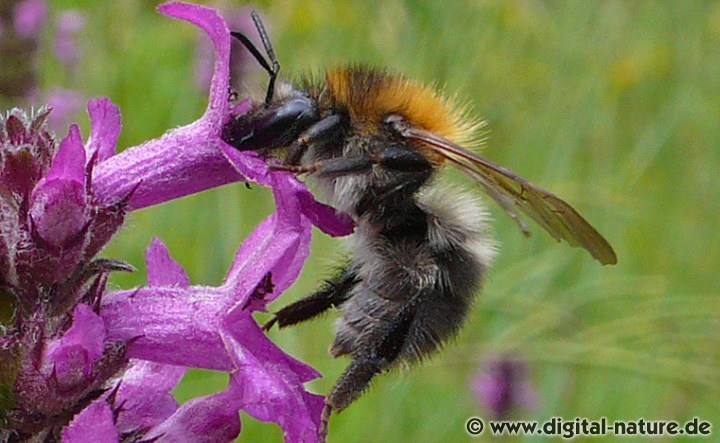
point(181, 326)
point(278, 246)
point(59, 210)
point(215, 27)
point(105, 128)
point(195, 156)
point(247, 163)
point(267, 383)
point(209, 419)
point(169, 325)
point(72, 356)
point(93, 424)
point(162, 269)
point(242, 107)
point(168, 322)
point(181, 162)
point(185, 160)
point(59, 203)
point(250, 165)
point(29, 17)
point(329, 220)
point(213, 327)
point(69, 162)
point(270, 383)
point(145, 395)
point(242, 62)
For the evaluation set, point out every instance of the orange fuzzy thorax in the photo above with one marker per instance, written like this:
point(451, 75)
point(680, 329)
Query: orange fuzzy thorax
point(369, 95)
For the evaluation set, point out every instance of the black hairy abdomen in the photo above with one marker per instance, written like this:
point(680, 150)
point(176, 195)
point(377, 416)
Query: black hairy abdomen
point(403, 277)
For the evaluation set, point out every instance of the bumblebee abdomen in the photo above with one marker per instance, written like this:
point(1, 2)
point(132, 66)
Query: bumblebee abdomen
point(429, 276)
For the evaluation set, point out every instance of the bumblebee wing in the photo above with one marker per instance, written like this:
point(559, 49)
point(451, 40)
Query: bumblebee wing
point(510, 191)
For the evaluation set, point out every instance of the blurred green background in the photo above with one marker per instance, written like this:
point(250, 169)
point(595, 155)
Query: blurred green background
point(613, 105)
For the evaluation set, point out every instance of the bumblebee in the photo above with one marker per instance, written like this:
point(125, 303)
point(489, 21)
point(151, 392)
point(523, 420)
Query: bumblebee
point(374, 141)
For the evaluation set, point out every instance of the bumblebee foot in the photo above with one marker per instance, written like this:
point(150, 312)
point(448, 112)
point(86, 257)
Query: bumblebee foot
point(295, 169)
point(270, 323)
point(324, 420)
point(333, 294)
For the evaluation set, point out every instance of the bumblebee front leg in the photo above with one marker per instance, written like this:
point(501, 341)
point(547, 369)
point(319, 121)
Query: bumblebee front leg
point(333, 294)
point(325, 129)
point(395, 158)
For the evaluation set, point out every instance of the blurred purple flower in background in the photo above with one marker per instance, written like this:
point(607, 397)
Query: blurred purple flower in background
point(68, 25)
point(65, 103)
point(29, 16)
point(22, 23)
point(79, 363)
point(503, 385)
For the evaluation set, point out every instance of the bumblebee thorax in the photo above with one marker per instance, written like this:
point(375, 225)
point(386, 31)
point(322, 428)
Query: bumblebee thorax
point(369, 95)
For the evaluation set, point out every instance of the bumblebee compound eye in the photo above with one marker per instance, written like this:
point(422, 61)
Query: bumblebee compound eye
point(271, 127)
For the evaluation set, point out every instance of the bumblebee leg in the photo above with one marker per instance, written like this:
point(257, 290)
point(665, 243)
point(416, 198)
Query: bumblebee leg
point(333, 294)
point(359, 373)
point(409, 171)
point(403, 159)
point(399, 159)
point(334, 167)
point(357, 376)
point(325, 129)
point(379, 357)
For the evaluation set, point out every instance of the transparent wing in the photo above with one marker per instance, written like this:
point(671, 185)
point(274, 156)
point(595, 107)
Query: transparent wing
point(510, 191)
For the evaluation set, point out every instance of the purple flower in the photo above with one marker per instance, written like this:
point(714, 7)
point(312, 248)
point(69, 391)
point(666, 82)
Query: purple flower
point(195, 156)
point(80, 363)
point(56, 350)
point(20, 25)
point(502, 386)
point(212, 327)
point(29, 17)
point(66, 104)
point(241, 61)
point(69, 24)
point(18, 72)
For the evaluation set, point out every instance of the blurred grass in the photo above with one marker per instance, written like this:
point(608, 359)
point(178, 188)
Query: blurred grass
point(615, 106)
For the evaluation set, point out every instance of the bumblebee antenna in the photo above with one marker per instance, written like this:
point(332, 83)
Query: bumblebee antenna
point(273, 67)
